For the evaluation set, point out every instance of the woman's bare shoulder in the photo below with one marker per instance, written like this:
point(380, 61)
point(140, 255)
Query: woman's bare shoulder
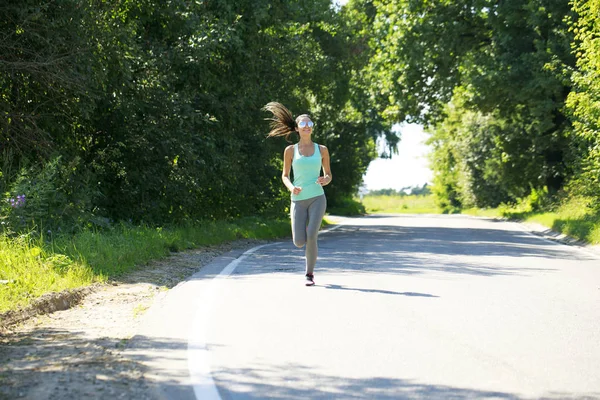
point(289, 148)
point(288, 153)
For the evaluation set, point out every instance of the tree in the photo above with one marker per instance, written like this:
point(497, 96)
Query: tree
point(584, 100)
point(153, 108)
point(508, 60)
point(43, 79)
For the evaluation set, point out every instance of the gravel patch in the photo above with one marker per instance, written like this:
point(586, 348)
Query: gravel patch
point(80, 352)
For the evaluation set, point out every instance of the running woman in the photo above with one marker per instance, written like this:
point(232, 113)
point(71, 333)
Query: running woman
point(305, 159)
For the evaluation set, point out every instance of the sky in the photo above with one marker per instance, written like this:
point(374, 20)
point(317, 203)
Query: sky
point(409, 167)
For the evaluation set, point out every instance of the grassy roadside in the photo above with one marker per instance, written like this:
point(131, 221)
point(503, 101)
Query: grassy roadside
point(31, 267)
point(573, 217)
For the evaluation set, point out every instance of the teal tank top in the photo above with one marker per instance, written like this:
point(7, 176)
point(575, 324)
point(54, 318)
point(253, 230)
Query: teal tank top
point(306, 171)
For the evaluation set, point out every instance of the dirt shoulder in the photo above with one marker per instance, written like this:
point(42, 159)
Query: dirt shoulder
point(79, 352)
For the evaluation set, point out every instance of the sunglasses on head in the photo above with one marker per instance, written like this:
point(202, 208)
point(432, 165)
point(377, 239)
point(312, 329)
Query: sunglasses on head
point(303, 124)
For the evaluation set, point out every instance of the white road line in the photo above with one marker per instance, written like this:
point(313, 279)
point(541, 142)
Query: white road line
point(339, 225)
point(198, 352)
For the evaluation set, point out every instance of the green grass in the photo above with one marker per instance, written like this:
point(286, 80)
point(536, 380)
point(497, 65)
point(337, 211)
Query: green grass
point(28, 269)
point(32, 267)
point(483, 212)
point(384, 204)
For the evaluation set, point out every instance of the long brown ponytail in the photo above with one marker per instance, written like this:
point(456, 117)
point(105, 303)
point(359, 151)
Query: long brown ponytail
point(282, 122)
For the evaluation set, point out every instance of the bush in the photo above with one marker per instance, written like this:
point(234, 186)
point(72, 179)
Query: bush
point(346, 206)
point(48, 198)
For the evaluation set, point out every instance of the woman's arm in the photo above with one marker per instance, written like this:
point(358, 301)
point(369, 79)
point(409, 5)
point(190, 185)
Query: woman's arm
point(288, 156)
point(326, 178)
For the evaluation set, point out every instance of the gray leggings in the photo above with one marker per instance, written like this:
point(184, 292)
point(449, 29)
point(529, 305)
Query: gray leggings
point(306, 218)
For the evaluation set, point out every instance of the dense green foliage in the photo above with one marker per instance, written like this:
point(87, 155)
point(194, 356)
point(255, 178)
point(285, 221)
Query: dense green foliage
point(150, 111)
point(490, 79)
point(584, 99)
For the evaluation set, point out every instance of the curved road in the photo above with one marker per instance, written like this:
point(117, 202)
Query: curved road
point(404, 307)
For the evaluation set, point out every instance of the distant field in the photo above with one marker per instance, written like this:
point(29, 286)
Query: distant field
point(383, 204)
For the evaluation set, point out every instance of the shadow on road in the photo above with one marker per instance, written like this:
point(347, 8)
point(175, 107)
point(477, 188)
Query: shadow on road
point(451, 241)
point(101, 369)
point(410, 294)
point(417, 250)
point(66, 364)
point(293, 381)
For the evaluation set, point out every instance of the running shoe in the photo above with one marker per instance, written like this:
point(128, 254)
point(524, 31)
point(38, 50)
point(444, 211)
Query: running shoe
point(310, 280)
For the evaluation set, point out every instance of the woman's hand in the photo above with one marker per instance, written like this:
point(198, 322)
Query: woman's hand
point(324, 180)
point(296, 190)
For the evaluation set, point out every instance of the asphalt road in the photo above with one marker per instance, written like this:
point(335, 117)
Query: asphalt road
point(404, 307)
